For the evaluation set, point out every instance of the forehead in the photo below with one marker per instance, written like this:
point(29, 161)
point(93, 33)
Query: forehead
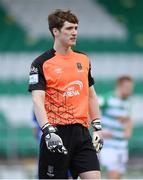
point(69, 24)
point(126, 83)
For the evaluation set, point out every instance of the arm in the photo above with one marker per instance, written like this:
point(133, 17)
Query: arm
point(53, 141)
point(94, 114)
point(94, 111)
point(128, 128)
point(38, 97)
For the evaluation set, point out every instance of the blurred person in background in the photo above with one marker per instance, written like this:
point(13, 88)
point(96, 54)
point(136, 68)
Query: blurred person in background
point(63, 96)
point(117, 127)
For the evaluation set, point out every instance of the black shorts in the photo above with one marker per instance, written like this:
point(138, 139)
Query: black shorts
point(81, 155)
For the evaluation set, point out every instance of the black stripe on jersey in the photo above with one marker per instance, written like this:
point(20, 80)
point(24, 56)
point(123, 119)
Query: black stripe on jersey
point(80, 52)
point(90, 78)
point(36, 76)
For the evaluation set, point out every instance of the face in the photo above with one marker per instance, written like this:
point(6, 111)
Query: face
point(125, 89)
point(67, 35)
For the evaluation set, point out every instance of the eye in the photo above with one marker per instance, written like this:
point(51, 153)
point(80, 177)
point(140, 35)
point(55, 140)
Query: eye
point(72, 27)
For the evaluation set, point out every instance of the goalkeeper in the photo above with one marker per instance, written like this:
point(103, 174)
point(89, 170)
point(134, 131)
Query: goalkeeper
point(62, 102)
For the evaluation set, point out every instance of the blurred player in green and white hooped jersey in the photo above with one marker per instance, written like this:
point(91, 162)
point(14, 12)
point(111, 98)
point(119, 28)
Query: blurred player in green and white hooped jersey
point(117, 127)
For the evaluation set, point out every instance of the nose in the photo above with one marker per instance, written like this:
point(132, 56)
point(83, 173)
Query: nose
point(74, 32)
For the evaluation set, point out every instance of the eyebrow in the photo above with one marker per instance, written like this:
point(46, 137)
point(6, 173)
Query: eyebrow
point(70, 27)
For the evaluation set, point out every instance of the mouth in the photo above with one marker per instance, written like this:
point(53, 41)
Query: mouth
point(73, 39)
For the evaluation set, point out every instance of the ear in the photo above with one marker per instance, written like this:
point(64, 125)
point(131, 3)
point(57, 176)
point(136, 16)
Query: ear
point(55, 32)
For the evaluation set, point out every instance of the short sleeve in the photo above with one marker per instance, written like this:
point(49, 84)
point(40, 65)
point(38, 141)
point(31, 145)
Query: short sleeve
point(36, 77)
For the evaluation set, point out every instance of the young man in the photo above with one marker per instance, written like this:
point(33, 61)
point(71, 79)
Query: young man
point(63, 99)
point(117, 127)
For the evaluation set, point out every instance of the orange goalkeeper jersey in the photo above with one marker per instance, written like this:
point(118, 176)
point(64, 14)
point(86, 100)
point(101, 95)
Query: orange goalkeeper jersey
point(65, 80)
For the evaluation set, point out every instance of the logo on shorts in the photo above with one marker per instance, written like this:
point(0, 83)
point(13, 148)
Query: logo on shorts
point(50, 171)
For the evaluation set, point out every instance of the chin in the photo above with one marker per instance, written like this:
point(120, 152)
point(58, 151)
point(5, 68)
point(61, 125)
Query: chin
point(125, 96)
point(72, 43)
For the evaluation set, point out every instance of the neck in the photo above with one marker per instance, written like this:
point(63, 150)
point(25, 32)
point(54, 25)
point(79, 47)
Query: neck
point(61, 48)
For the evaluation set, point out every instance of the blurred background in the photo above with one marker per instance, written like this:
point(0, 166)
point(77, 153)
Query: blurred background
point(110, 32)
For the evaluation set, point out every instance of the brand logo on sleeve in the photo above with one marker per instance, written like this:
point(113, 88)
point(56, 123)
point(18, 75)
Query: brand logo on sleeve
point(33, 70)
